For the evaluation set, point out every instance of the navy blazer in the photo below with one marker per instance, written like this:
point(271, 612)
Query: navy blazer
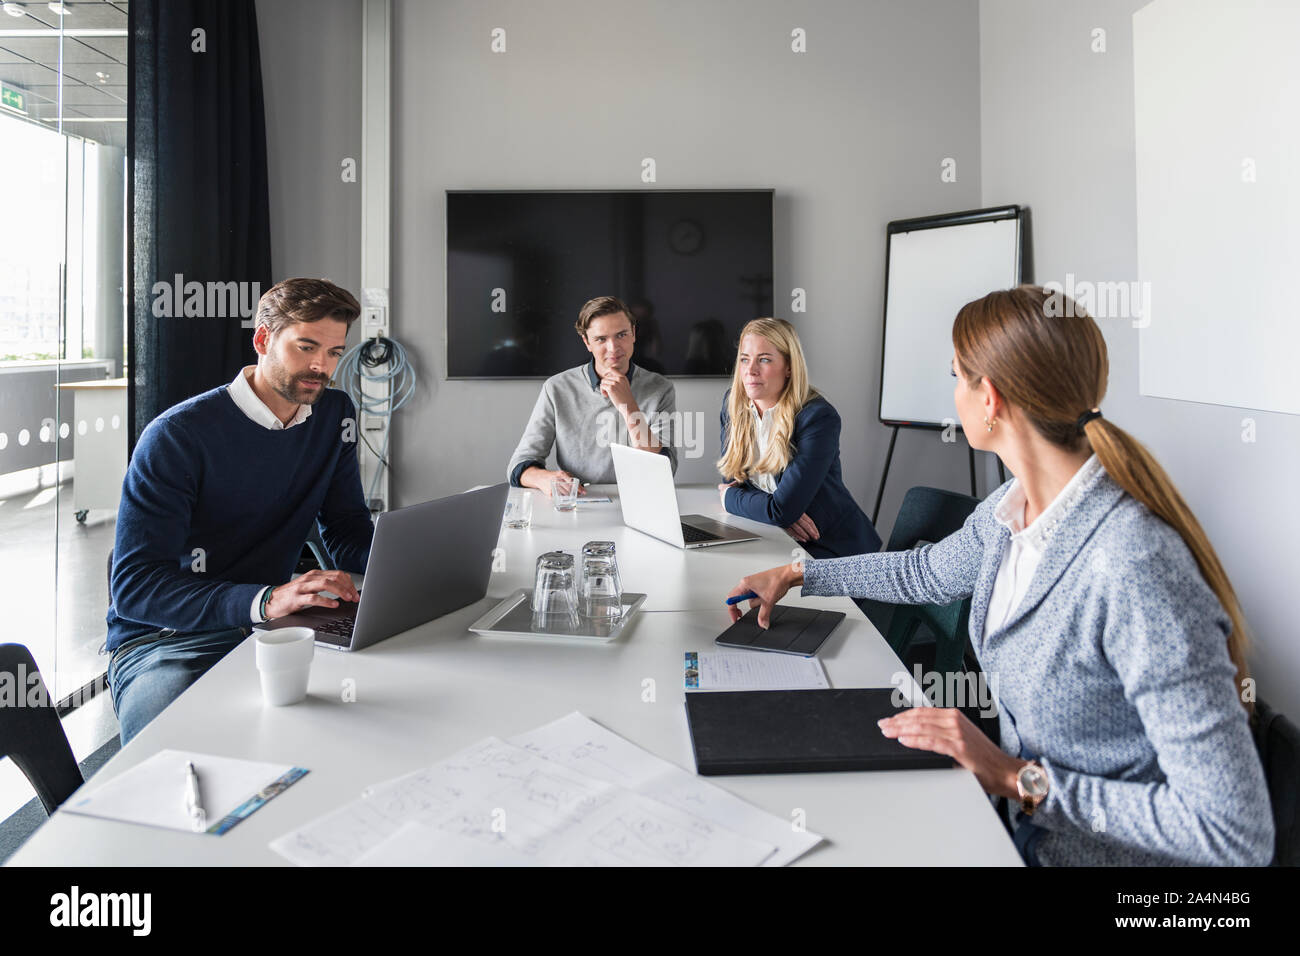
point(811, 484)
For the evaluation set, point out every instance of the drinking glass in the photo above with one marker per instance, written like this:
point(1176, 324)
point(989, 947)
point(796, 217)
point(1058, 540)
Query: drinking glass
point(519, 508)
point(600, 590)
point(564, 494)
point(554, 593)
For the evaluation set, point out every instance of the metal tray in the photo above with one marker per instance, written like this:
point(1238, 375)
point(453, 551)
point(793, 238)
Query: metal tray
point(513, 617)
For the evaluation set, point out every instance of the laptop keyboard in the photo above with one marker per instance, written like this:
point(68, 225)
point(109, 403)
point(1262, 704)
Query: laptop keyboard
point(338, 627)
point(691, 534)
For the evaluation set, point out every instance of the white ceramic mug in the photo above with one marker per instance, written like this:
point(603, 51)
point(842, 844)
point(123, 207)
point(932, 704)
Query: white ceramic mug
point(284, 663)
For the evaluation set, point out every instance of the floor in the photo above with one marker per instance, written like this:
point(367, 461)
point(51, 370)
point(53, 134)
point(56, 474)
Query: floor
point(58, 599)
point(60, 593)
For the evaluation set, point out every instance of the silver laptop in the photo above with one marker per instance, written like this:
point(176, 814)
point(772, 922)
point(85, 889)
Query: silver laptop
point(426, 560)
point(649, 501)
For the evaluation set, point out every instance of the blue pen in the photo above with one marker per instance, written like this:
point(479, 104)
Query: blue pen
point(747, 596)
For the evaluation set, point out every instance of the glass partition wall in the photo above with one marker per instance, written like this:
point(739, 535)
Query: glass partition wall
point(63, 421)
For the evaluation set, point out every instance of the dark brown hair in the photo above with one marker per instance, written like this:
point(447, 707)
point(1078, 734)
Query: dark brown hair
point(305, 300)
point(1048, 358)
point(600, 306)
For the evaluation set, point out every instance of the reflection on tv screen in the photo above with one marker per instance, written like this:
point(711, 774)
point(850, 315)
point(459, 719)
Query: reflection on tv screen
point(693, 267)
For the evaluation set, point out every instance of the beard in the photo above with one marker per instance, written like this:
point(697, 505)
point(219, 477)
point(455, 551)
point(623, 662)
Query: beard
point(289, 387)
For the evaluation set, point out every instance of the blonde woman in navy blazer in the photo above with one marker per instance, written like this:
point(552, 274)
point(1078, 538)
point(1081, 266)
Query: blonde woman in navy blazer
point(792, 479)
point(1097, 602)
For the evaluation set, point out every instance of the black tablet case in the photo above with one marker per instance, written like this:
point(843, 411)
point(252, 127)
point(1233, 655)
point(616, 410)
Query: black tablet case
point(794, 630)
point(798, 731)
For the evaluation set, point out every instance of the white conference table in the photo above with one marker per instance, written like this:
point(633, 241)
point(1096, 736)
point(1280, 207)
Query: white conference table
point(438, 688)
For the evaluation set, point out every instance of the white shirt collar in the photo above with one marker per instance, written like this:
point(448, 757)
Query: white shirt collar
point(241, 392)
point(763, 435)
point(1010, 511)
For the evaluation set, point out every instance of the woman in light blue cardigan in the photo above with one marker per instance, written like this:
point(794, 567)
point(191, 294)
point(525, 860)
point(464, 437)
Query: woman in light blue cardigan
point(1099, 612)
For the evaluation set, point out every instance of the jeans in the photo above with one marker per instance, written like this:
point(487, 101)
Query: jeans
point(1026, 839)
point(149, 672)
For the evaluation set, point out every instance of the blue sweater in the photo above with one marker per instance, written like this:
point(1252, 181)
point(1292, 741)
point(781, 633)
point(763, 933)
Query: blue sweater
point(215, 507)
point(811, 484)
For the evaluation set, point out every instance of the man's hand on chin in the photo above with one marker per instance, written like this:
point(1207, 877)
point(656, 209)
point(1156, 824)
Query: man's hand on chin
point(615, 386)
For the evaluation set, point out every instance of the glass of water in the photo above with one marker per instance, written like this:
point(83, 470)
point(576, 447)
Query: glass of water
point(564, 494)
point(519, 508)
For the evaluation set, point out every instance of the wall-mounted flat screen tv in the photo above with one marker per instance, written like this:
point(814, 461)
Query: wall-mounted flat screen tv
point(694, 266)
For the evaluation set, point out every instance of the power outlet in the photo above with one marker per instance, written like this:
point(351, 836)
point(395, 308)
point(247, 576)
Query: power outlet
point(374, 321)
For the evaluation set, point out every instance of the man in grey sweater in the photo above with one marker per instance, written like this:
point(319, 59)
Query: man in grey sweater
point(584, 410)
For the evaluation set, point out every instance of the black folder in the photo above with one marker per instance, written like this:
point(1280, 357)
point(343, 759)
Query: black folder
point(798, 731)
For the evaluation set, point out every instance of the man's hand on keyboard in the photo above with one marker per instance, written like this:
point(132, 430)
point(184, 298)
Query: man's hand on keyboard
point(305, 591)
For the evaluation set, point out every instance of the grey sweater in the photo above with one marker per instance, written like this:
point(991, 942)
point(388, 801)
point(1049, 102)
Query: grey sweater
point(580, 423)
point(1113, 671)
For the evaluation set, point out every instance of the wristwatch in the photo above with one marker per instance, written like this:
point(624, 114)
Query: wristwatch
point(1031, 785)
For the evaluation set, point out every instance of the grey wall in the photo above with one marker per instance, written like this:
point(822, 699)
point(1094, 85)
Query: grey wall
point(850, 135)
point(1057, 133)
point(311, 77)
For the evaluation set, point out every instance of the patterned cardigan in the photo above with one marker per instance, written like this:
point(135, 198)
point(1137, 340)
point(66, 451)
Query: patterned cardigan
point(1113, 671)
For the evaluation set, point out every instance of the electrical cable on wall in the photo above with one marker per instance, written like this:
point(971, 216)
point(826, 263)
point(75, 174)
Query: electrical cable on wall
point(356, 369)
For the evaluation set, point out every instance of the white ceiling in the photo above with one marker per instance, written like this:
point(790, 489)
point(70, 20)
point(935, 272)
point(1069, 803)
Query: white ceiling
point(93, 106)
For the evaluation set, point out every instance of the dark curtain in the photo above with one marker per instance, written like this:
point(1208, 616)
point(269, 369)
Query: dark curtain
point(198, 196)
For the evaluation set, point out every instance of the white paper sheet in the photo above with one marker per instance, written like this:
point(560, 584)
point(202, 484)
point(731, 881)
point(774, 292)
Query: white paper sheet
point(753, 670)
point(582, 744)
point(153, 792)
point(496, 793)
point(415, 844)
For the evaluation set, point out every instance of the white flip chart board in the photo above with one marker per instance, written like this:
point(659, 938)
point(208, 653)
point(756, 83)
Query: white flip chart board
point(935, 266)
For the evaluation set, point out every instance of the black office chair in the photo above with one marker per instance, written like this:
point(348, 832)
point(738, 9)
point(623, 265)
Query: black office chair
point(32, 736)
point(1278, 741)
point(316, 545)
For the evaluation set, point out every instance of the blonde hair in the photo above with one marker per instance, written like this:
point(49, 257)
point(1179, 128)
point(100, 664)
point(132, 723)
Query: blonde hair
point(737, 462)
point(1053, 369)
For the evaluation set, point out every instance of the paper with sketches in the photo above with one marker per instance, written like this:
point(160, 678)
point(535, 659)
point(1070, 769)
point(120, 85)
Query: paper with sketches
point(582, 744)
point(500, 795)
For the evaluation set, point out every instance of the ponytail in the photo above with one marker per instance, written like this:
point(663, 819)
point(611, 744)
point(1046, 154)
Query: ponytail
point(1134, 469)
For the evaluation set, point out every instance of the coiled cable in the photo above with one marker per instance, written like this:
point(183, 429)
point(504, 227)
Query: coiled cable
point(356, 368)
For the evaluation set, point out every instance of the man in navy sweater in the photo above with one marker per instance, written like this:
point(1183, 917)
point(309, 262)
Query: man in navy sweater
point(220, 496)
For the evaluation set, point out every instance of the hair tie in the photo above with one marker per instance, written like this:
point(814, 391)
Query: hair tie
point(1087, 417)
